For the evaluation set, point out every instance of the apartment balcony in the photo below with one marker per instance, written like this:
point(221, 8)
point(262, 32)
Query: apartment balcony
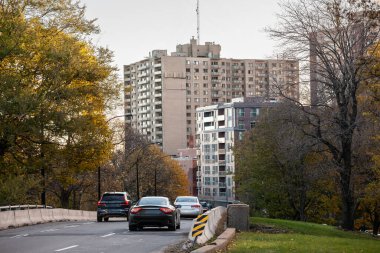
point(208, 119)
point(158, 87)
point(215, 81)
point(157, 80)
point(207, 128)
point(222, 185)
point(215, 73)
point(157, 65)
point(222, 163)
point(158, 102)
point(198, 173)
point(220, 117)
point(222, 173)
point(222, 140)
point(222, 151)
point(142, 67)
point(158, 72)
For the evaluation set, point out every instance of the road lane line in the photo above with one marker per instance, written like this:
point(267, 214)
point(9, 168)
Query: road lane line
point(72, 226)
point(49, 230)
point(18, 236)
point(70, 247)
point(107, 235)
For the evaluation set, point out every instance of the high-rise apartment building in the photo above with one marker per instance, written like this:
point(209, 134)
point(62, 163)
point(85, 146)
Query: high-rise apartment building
point(162, 92)
point(219, 127)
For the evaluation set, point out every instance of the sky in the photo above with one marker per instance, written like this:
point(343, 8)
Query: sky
point(133, 28)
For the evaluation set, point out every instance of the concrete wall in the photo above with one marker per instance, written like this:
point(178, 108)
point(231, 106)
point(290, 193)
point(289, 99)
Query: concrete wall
point(18, 218)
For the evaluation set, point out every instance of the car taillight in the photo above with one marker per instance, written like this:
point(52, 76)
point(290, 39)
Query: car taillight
point(196, 206)
point(126, 203)
point(136, 210)
point(101, 204)
point(166, 210)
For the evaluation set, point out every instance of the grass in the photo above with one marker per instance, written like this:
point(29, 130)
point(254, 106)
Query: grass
point(303, 237)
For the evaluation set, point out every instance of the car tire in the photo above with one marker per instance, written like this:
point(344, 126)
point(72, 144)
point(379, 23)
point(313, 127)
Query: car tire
point(178, 225)
point(106, 219)
point(132, 227)
point(99, 219)
point(173, 227)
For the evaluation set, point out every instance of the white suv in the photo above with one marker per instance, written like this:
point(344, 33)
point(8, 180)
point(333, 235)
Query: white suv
point(188, 205)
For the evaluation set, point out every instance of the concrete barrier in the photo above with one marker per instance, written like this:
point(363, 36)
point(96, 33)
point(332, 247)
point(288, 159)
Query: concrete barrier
point(47, 215)
point(7, 219)
point(238, 216)
point(215, 216)
point(22, 218)
point(35, 216)
point(18, 218)
point(220, 244)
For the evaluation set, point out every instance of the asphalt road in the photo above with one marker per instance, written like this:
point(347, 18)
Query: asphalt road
point(112, 236)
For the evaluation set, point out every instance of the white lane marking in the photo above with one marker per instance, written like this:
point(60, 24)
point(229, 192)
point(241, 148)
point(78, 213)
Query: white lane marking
point(107, 235)
point(70, 247)
point(71, 226)
point(49, 230)
point(86, 223)
point(18, 236)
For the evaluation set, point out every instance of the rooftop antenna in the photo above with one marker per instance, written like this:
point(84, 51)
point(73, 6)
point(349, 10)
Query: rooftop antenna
point(198, 24)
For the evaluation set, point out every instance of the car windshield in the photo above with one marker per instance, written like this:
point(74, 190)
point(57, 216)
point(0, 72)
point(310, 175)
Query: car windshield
point(186, 199)
point(113, 197)
point(152, 201)
point(204, 204)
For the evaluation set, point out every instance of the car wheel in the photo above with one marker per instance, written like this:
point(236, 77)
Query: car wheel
point(132, 227)
point(99, 219)
point(173, 227)
point(179, 225)
point(106, 219)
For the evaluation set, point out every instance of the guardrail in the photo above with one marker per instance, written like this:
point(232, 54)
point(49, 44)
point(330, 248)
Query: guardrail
point(22, 207)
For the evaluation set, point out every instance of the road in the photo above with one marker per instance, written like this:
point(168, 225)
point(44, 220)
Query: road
point(68, 237)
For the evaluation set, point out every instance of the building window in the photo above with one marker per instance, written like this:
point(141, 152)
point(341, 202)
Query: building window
point(214, 170)
point(241, 124)
point(254, 112)
point(205, 70)
point(207, 181)
point(253, 123)
point(188, 62)
point(207, 170)
point(205, 63)
point(188, 70)
point(196, 77)
point(196, 62)
point(241, 112)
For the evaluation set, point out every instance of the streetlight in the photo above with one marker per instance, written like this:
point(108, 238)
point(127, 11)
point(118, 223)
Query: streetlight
point(99, 176)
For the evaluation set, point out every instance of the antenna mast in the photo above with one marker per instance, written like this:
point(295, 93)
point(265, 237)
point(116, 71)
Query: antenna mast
point(198, 24)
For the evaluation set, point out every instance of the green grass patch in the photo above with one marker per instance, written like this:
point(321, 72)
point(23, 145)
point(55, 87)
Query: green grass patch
point(303, 237)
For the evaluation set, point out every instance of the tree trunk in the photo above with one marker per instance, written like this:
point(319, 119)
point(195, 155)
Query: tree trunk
point(376, 223)
point(348, 203)
point(65, 198)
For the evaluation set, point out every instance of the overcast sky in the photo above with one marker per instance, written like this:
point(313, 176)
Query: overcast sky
point(133, 28)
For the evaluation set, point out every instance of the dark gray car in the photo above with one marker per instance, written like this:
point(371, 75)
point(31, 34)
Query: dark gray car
point(154, 211)
point(113, 204)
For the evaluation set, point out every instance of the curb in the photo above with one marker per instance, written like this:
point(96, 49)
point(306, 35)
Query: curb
point(220, 243)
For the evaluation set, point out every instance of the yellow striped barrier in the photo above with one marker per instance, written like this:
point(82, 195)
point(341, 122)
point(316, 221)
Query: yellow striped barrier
point(199, 225)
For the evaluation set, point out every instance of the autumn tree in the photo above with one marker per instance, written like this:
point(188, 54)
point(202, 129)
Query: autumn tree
point(332, 39)
point(56, 88)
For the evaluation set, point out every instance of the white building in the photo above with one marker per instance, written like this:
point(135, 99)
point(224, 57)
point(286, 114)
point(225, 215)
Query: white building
point(219, 127)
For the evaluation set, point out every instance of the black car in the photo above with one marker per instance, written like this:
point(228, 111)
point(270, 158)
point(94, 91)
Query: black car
point(154, 211)
point(113, 204)
point(206, 206)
